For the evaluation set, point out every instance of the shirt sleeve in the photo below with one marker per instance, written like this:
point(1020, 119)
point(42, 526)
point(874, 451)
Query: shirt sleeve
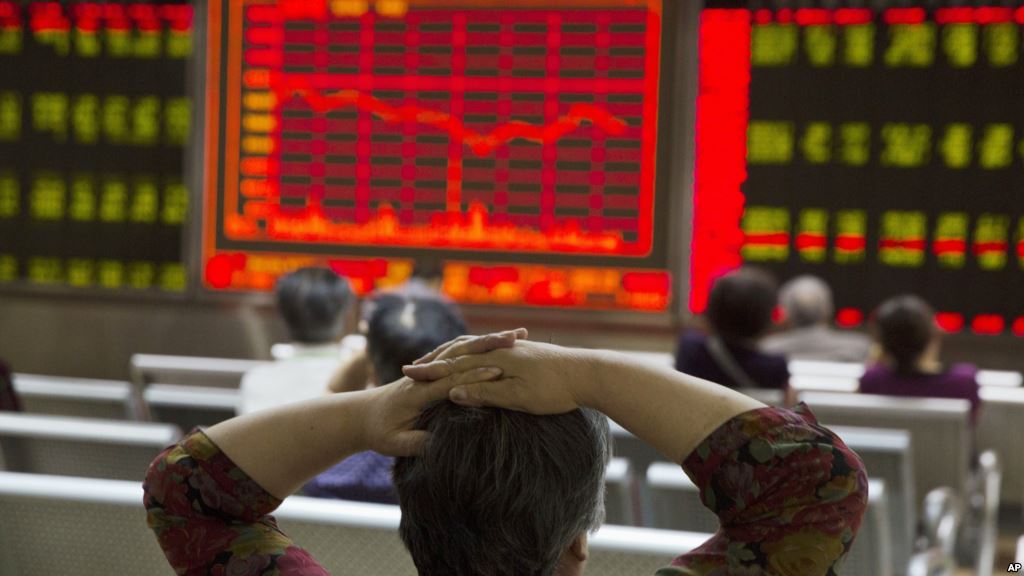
point(789, 495)
point(210, 517)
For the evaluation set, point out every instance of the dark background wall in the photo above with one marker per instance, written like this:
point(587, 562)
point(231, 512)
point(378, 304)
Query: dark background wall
point(74, 336)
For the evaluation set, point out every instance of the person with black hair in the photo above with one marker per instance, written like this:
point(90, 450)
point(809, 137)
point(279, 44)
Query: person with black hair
point(401, 329)
point(739, 312)
point(314, 303)
point(909, 365)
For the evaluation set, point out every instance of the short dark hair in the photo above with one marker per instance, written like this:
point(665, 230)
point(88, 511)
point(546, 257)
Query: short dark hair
point(428, 268)
point(741, 303)
point(904, 325)
point(313, 302)
point(402, 328)
point(499, 492)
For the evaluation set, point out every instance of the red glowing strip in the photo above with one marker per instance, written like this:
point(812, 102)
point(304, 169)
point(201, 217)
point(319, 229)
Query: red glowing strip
point(1018, 15)
point(813, 16)
point(721, 148)
point(1018, 326)
point(914, 244)
point(48, 17)
point(763, 16)
point(903, 15)
point(982, 248)
point(490, 277)
point(481, 144)
point(850, 242)
point(811, 241)
point(849, 317)
point(950, 246)
point(773, 239)
point(10, 16)
point(986, 15)
point(655, 282)
point(988, 324)
point(852, 16)
point(1020, 248)
point(954, 15)
point(993, 15)
point(784, 16)
point(949, 321)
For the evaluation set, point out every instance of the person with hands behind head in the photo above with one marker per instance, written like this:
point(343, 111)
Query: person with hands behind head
point(401, 328)
point(480, 426)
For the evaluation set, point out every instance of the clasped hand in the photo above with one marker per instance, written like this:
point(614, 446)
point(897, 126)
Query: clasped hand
point(501, 370)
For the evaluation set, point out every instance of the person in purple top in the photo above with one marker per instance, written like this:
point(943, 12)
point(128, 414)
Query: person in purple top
point(909, 365)
point(739, 312)
point(401, 329)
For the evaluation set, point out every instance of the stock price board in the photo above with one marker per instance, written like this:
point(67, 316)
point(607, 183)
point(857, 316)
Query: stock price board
point(94, 120)
point(516, 144)
point(881, 150)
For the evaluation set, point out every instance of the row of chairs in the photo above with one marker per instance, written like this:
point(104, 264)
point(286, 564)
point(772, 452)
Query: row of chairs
point(76, 464)
point(57, 445)
point(190, 404)
point(101, 528)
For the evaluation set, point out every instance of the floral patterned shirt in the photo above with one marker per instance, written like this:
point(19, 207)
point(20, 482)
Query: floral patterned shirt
point(789, 494)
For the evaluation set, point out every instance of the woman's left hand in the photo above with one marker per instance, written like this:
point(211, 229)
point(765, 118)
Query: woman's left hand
point(391, 411)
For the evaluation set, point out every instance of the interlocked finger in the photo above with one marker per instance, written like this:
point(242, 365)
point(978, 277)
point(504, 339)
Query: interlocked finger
point(433, 354)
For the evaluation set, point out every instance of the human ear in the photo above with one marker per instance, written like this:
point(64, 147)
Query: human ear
point(578, 548)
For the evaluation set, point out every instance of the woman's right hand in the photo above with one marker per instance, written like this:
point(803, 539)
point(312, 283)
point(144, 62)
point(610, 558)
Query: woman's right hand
point(536, 378)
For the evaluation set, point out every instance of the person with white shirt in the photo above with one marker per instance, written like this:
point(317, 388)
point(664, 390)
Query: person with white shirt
point(314, 303)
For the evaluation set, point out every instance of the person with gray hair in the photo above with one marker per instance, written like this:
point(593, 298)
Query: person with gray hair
point(807, 308)
point(502, 445)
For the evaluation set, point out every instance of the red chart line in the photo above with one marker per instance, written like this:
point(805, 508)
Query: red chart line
point(481, 144)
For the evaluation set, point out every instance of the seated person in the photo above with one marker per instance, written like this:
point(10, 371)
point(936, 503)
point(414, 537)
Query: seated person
point(739, 312)
point(502, 448)
point(313, 302)
point(8, 398)
point(426, 280)
point(401, 330)
point(905, 329)
point(806, 303)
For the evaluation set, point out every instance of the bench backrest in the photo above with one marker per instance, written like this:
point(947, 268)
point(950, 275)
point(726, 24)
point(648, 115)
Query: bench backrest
point(675, 500)
point(888, 456)
point(677, 506)
point(81, 446)
point(87, 398)
point(197, 370)
point(101, 528)
point(190, 406)
point(620, 494)
point(1001, 428)
point(67, 525)
point(938, 427)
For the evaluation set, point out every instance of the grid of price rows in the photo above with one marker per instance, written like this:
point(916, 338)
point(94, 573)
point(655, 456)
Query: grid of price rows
point(94, 119)
point(878, 149)
point(527, 130)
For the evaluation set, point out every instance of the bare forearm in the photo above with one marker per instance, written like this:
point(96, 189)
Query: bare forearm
point(283, 448)
point(667, 409)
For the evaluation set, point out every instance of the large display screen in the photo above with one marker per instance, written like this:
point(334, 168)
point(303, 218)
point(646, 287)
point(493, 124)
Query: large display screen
point(881, 150)
point(515, 141)
point(94, 120)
